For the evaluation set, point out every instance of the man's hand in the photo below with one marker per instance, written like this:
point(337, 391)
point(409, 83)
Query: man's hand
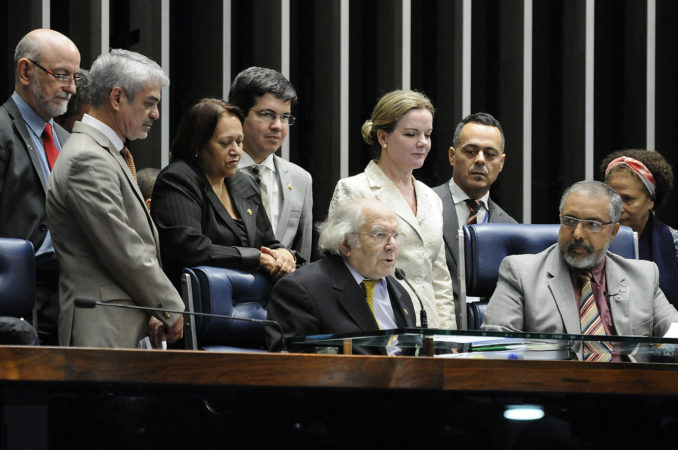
point(158, 331)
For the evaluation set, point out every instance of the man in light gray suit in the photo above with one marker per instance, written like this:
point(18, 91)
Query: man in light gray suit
point(105, 240)
point(547, 292)
point(266, 98)
point(477, 157)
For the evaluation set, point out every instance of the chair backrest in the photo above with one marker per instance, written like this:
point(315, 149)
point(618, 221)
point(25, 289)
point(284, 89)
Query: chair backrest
point(17, 278)
point(484, 246)
point(229, 292)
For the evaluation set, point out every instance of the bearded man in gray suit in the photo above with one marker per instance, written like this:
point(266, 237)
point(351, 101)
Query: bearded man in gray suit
point(105, 240)
point(266, 98)
point(477, 157)
point(549, 291)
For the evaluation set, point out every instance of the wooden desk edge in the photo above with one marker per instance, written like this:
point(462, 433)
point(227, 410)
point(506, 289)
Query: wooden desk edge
point(190, 368)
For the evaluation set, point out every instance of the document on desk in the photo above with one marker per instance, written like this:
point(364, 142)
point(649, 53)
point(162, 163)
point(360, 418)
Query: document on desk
point(673, 331)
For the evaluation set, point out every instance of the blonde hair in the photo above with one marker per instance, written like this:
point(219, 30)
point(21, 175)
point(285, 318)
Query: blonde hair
point(389, 110)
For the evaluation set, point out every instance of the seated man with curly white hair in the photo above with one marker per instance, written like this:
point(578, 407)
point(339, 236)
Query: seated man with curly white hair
point(351, 289)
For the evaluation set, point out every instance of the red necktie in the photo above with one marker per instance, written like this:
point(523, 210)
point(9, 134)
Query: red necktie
point(51, 149)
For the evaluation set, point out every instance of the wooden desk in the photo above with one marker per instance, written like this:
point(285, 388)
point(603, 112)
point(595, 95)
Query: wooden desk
point(66, 386)
point(199, 369)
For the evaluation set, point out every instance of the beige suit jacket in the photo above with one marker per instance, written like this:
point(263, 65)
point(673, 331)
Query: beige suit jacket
point(422, 253)
point(535, 294)
point(106, 244)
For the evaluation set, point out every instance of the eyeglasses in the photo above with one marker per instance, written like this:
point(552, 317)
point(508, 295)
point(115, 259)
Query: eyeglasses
point(382, 236)
point(270, 116)
point(589, 225)
point(60, 77)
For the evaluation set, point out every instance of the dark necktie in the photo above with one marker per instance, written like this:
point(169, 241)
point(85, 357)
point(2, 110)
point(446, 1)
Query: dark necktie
point(51, 150)
point(258, 171)
point(473, 208)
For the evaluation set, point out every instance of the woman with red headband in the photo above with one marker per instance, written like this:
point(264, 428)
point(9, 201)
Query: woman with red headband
point(644, 179)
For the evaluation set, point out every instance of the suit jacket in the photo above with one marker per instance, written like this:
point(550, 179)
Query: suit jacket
point(450, 230)
point(422, 255)
point(323, 297)
point(535, 294)
point(106, 244)
point(195, 228)
point(295, 221)
point(22, 184)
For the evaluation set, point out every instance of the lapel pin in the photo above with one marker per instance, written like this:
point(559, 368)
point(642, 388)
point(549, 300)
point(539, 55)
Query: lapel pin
point(289, 186)
point(249, 212)
point(405, 311)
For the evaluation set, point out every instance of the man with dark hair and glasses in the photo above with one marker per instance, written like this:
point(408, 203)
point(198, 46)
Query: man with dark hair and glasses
point(576, 286)
point(351, 289)
point(266, 98)
point(46, 72)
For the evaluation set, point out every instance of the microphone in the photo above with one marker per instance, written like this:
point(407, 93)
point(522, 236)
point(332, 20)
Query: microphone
point(400, 274)
point(88, 303)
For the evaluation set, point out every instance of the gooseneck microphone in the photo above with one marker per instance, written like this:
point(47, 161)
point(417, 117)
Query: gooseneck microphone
point(88, 303)
point(400, 274)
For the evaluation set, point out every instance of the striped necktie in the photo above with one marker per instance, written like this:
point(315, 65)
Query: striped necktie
point(591, 323)
point(473, 208)
point(258, 171)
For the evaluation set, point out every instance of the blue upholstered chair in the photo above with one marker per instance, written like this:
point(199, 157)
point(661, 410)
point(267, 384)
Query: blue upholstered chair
point(227, 292)
point(483, 247)
point(17, 291)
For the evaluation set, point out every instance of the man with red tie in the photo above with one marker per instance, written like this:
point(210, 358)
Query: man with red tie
point(46, 63)
point(477, 157)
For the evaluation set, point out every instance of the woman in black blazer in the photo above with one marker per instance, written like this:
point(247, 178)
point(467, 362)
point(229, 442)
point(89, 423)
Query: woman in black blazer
point(206, 212)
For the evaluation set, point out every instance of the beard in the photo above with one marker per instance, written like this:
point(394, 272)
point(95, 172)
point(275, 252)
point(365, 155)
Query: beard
point(590, 259)
point(48, 105)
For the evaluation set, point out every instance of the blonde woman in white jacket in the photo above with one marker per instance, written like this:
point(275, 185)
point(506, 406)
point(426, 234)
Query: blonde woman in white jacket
point(400, 132)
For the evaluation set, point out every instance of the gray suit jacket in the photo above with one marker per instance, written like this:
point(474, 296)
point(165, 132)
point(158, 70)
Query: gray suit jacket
point(106, 244)
point(450, 229)
point(295, 221)
point(22, 185)
point(535, 294)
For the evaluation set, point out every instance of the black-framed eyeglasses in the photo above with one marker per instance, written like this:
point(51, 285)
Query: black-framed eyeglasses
point(270, 116)
point(381, 237)
point(60, 77)
point(593, 226)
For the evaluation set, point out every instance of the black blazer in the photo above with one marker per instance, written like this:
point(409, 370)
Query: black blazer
point(22, 186)
point(323, 297)
point(195, 228)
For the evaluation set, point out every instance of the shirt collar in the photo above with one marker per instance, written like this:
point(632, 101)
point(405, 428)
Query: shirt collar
point(105, 129)
point(459, 196)
point(247, 161)
point(32, 118)
point(358, 277)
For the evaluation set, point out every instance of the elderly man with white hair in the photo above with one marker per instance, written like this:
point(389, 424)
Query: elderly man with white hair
point(351, 289)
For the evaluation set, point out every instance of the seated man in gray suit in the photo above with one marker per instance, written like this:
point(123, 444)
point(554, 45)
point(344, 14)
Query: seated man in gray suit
point(576, 286)
point(477, 156)
point(266, 98)
point(351, 289)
